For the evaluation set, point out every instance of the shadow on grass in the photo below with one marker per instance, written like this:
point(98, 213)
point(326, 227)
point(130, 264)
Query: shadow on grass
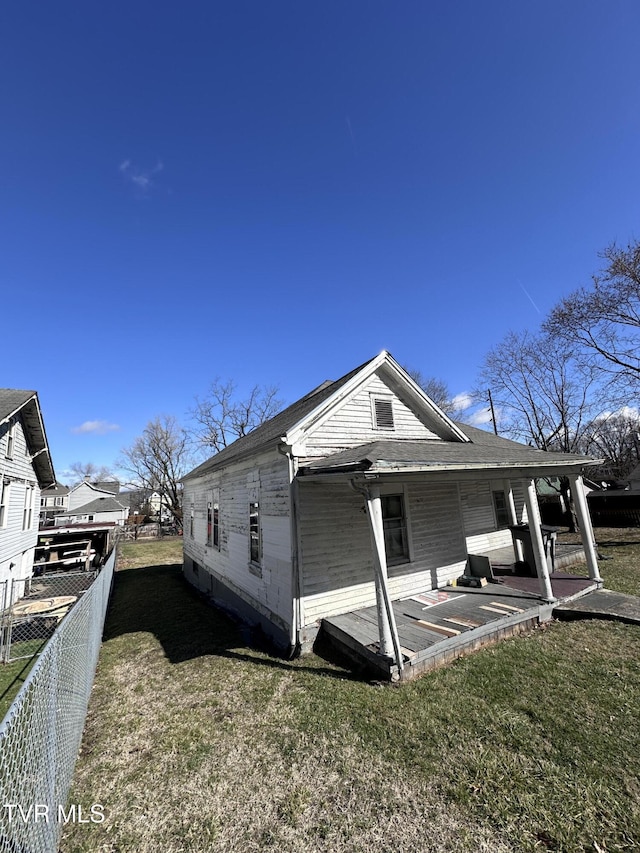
point(158, 600)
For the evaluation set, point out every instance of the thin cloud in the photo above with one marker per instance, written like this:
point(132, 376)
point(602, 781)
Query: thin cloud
point(462, 401)
point(482, 416)
point(143, 180)
point(95, 428)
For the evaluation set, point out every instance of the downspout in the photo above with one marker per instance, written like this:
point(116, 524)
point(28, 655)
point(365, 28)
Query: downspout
point(296, 593)
point(379, 563)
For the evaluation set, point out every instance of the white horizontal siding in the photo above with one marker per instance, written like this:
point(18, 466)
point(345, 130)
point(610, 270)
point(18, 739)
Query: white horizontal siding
point(352, 423)
point(265, 479)
point(336, 557)
point(17, 545)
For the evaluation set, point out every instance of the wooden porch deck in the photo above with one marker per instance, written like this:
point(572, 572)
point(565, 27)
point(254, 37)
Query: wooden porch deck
point(438, 626)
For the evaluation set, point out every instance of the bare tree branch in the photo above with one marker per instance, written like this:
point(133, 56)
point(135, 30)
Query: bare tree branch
point(221, 417)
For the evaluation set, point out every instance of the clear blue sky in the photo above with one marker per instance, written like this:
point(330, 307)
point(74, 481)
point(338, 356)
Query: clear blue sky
point(275, 191)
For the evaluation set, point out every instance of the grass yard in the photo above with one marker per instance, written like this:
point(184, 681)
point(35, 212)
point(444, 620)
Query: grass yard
point(195, 742)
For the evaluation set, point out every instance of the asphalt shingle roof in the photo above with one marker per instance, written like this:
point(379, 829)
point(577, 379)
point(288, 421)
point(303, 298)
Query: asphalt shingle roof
point(97, 505)
point(485, 450)
point(273, 429)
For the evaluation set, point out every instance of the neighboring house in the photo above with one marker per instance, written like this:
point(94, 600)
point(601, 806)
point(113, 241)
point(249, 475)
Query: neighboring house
point(25, 469)
point(84, 492)
point(53, 501)
point(100, 510)
point(360, 493)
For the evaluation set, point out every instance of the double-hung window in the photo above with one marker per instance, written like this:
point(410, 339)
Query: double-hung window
point(27, 511)
point(255, 543)
point(394, 524)
point(501, 510)
point(4, 503)
point(213, 519)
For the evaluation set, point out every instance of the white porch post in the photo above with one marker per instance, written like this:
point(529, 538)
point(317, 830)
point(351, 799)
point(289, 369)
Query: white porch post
point(389, 641)
point(539, 555)
point(586, 528)
point(513, 518)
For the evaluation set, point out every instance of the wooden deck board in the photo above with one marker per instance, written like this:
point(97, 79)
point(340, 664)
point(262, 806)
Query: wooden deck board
point(483, 615)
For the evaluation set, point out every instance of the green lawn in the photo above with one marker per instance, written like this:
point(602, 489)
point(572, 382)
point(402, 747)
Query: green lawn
point(196, 742)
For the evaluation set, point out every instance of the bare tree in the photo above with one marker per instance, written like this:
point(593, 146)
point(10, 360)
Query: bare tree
point(94, 473)
point(542, 395)
point(158, 459)
point(222, 417)
point(437, 390)
point(603, 322)
point(616, 437)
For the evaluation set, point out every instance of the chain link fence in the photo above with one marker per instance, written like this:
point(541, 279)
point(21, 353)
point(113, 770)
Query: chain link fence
point(40, 736)
point(33, 608)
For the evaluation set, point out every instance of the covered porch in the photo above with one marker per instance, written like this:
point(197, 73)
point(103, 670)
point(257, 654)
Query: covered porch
point(437, 626)
point(524, 581)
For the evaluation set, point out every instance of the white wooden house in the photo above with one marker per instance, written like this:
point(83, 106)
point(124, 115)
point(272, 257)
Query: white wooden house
point(25, 469)
point(85, 491)
point(106, 509)
point(360, 493)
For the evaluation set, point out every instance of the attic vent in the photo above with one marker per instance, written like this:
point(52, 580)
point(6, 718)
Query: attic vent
point(382, 413)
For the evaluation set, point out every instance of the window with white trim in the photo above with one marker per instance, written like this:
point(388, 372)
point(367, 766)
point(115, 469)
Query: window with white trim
point(27, 510)
point(11, 440)
point(382, 412)
point(4, 503)
point(394, 524)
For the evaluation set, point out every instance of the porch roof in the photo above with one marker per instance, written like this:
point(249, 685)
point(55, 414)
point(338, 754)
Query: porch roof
point(484, 452)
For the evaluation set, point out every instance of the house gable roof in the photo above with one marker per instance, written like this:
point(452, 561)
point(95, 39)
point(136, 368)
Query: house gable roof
point(103, 504)
point(293, 423)
point(14, 402)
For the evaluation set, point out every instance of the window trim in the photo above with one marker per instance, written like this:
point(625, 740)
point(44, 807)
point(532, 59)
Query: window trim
point(11, 440)
point(407, 557)
point(5, 492)
point(255, 535)
point(497, 510)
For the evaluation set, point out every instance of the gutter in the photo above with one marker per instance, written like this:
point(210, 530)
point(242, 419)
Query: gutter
point(296, 590)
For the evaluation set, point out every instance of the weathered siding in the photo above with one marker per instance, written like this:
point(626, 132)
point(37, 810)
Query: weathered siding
point(352, 424)
point(17, 545)
point(264, 479)
point(479, 517)
point(336, 557)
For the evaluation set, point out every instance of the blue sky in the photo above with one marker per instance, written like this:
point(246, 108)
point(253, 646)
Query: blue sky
point(275, 191)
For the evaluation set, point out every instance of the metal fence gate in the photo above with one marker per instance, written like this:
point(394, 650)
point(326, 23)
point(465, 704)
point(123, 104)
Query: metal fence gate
point(40, 736)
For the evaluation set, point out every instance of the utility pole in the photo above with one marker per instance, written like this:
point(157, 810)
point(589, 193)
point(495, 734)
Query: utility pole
point(493, 413)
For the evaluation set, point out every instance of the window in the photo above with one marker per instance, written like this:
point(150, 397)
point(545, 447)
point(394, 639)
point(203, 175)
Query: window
point(27, 510)
point(254, 532)
point(501, 510)
point(4, 503)
point(58, 501)
point(394, 523)
point(382, 410)
point(216, 519)
point(210, 522)
point(191, 514)
point(11, 439)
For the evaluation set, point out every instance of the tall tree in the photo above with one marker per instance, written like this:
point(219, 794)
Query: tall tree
point(541, 395)
point(616, 437)
point(158, 459)
point(603, 322)
point(222, 417)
